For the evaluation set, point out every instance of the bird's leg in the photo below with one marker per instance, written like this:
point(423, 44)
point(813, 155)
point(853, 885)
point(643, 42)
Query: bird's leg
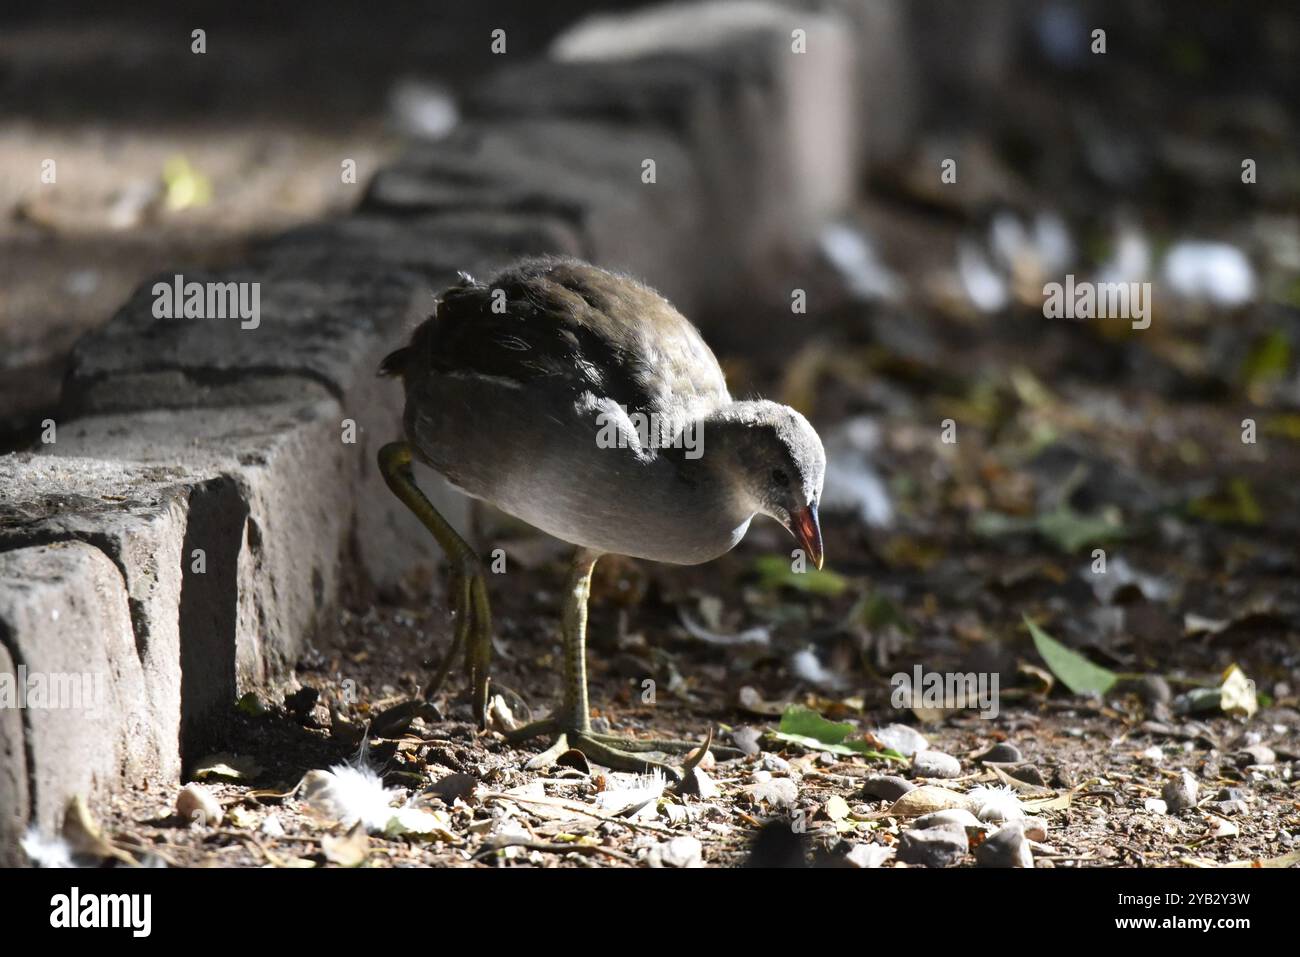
point(468, 588)
point(573, 722)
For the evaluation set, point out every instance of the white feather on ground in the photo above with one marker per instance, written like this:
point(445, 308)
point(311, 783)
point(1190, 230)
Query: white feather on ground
point(45, 851)
point(354, 791)
point(996, 804)
point(636, 799)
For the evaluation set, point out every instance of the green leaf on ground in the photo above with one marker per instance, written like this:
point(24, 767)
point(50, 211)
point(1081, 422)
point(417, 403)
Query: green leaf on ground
point(1074, 670)
point(1070, 531)
point(875, 612)
point(1232, 504)
point(1064, 527)
point(227, 767)
point(775, 572)
point(808, 729)
point(1269, 359)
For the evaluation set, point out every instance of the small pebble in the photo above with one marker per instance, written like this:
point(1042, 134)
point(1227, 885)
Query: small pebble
point(1181, 792)
point(197, 805)
point(1035, 828)
point(1029, 774)
point(1256, 754)
point(953, 817)
point(746, 739)
point(1005, 847)
point(453, 786)
point(933, 847)
point(773, 762)
point(1230, 794)
point(885, 787)
point(927, 798)
point(1151, 690)
point(682, 851)
point(1002, 753)
point(1230, 807)
point(868, 855)
point(272, 827)
point(935, 764)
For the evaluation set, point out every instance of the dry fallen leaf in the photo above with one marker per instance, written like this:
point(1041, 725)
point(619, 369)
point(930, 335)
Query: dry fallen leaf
point(347, 850)
point(84, 836)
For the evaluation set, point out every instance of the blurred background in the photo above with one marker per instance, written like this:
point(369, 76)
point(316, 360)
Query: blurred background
point(926, 299)
point(981, 455)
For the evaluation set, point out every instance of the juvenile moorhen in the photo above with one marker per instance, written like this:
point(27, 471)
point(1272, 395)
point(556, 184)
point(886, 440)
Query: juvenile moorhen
point(533, 391)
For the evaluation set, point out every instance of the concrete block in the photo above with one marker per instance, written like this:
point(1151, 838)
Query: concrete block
point(277, 529)
point(589, 174)
point(65, 622)
point(311, 326)
point(430, 247)
point(795, 114)
point(137, 518)
point(318, 347)
point(15, 802)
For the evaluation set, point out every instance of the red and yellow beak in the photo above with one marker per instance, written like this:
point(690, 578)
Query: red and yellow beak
point(807, 532)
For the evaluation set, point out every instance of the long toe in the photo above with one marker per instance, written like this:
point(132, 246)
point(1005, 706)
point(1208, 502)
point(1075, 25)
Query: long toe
point(617, 759)
point(664, 745)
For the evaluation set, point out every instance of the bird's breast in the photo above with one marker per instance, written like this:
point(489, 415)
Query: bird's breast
point(548, 461)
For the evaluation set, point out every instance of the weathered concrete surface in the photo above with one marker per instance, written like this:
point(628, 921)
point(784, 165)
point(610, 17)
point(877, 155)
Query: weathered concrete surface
point(137, 518)
point(64, 615)
point(312, 325)
point(430, 247)
point(291, 477)
point(15, 802)
point(785, 82)
point(318, 338)
point(586, 173)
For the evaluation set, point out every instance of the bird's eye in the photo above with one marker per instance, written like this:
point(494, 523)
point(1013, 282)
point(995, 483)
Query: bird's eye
point(779, 477)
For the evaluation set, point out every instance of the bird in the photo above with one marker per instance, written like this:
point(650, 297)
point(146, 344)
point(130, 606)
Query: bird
point(580, 401)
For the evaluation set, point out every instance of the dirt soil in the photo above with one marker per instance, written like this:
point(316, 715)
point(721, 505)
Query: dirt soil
point(1129, 491)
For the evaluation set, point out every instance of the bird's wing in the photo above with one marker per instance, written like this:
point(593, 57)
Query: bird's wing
point(564, 325)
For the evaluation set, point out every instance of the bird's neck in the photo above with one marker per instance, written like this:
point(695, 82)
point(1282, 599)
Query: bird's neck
point(719, 469)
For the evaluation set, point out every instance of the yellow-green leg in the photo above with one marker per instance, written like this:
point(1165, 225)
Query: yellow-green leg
point(573, 722)
point(467, 591)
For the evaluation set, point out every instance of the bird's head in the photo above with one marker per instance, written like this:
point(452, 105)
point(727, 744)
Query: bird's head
point(777, 466)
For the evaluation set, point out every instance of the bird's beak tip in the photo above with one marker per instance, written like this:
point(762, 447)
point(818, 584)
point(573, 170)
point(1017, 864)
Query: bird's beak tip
point(807, 531)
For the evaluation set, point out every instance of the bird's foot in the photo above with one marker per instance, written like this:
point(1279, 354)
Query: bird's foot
point(467, 591)
point(616, 752)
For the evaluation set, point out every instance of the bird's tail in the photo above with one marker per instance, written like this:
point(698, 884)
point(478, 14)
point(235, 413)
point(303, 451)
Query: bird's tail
point(398, 362)
point(395, 362)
